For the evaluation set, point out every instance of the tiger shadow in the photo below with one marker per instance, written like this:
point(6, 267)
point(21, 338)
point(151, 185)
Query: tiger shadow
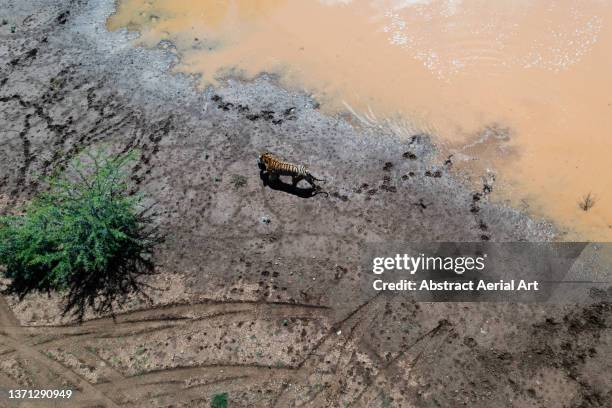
point(275, 183)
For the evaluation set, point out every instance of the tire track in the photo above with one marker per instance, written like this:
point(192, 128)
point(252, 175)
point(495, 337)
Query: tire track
point(145, 321)
point(371, 392)
point(174, 382)
point(137, 389)
point(355, 324)
point(14, 339)
point(177, 382)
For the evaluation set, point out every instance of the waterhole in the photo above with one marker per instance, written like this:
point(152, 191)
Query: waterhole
point(517, 88)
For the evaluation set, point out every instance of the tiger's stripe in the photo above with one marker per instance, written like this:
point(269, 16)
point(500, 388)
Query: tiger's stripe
point(275, 165)
point(279, 167)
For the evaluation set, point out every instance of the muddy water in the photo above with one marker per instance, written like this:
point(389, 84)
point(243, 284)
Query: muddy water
point(522, 88)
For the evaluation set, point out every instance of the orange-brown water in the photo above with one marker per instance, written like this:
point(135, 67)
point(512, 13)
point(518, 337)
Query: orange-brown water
point(523, 87)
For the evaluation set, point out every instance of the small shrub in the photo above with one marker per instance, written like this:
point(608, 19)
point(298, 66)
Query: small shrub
point(587, 202)
point(386, 400)
point(92, 349)
point(219, 401)
point(238, 181)
point(86, 236)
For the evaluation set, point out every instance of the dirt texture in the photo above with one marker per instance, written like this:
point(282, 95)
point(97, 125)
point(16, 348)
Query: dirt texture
point(257, 293)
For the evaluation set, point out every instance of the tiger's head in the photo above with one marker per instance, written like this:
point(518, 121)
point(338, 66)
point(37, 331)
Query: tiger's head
point(262, 160)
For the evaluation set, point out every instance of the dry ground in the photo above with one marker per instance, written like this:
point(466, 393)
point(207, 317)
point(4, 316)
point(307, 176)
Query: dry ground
point(270, 312)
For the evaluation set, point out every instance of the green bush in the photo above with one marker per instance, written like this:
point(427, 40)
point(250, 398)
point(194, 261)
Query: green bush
point(219, 401)
point(86, 236)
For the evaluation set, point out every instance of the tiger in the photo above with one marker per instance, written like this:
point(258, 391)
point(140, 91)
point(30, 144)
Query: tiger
point(276, 167)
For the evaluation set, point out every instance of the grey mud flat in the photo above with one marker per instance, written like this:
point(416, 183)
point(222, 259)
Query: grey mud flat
point(268, 312)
